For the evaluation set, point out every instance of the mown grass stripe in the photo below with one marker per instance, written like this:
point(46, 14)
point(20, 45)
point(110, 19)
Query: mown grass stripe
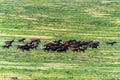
point(27, 36)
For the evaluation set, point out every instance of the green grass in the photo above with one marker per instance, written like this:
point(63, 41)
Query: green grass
point(84, 20)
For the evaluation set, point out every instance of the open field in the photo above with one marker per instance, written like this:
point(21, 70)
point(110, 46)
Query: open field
point(84, 20)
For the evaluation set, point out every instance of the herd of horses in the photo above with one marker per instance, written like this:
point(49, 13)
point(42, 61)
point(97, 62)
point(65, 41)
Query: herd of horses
point(30, 45)
point(58, 45)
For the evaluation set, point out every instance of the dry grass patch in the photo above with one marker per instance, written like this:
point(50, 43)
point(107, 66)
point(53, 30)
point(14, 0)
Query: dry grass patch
point(54, 29)
point(101, 37)
point(2, 13)
point(32, 4)
point(12, 15)
point(14, 63)
point(25, 67)
point(44, 67)
point(49, 5)
point(86, 34)
point(1, 0)
point(2, 16)
point(95, 13)
point(78, 1)
point(21, 23)
point(107, 1)
point(96, 36)
point(26, 17)
point(39, 4)
point(108, 51)
point(9, 76)
point(106, 32)
point(40, 15)
point(117, 21)
point(11, 29)
point(35, 23)
point(27, 36)
point(60, 65)
point(103, 8)
point(115, 63)
point(51, 75)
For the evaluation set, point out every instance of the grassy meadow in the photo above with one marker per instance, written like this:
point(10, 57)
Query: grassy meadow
point(84, 20)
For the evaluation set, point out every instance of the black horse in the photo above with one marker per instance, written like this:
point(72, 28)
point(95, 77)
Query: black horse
point(111, 43)
point(21, 40)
